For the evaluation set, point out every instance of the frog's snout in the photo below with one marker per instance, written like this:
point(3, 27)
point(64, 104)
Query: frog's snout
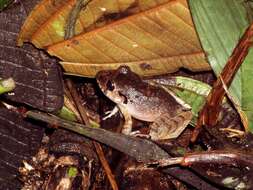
point(102, 76)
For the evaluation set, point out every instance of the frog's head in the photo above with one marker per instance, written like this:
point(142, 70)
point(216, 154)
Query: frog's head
point(115, 83)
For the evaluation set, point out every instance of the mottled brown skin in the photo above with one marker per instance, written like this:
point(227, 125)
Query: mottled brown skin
point(139, 99)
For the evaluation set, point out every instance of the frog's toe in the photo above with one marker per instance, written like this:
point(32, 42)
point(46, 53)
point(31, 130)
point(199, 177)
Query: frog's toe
point(110, 113)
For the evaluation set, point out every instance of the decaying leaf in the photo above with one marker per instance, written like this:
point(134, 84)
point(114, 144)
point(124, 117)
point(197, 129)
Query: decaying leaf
point(19, 141)
point(152, 37)
point(37, 77)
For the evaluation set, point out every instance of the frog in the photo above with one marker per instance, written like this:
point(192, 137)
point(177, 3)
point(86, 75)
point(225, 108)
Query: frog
point(136, 98)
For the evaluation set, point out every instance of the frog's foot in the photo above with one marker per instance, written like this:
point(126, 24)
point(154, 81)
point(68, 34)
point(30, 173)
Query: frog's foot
point(111, 113)
point(167, 127)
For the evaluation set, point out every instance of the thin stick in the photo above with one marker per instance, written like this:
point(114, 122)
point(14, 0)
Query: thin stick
point(85, 120)
point(209, 157)
point(210, 112)
point(72, 18)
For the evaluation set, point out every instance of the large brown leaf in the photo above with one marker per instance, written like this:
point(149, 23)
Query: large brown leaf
point(53, 17)
point(155, 37)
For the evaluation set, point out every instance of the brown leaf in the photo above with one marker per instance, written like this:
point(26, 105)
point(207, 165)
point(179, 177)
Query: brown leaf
point(162, 37)
point(95, 15)
point(37, 17)
point(148, 67)
point(154, 38)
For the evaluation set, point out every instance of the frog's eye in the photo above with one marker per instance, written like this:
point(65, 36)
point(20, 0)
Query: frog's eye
point(110, 85)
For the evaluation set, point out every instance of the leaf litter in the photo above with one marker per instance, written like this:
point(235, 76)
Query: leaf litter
point(221, 156)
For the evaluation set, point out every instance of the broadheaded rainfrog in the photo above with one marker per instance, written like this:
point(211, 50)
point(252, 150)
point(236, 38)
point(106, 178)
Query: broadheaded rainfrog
point(146, 102)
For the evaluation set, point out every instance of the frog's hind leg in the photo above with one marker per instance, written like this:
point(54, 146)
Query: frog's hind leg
point(167, 127)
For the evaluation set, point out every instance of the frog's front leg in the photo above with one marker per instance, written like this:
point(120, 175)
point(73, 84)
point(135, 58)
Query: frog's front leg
point(111, 113)
point(127, 127)
point(168, 127)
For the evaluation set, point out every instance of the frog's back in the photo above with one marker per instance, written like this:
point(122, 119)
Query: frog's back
point(147, 102)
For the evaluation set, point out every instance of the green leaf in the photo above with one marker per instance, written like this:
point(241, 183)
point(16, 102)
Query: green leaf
point(193, 92)
point(220, 24)
point(247, 90)
point(4, 3)
point(72, 172)
point(6, 85)
point(67, 114)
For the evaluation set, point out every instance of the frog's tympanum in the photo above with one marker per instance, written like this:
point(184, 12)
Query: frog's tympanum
point(146, 102)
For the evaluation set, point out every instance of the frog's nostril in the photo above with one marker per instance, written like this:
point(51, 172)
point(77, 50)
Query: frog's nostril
point(110, 85)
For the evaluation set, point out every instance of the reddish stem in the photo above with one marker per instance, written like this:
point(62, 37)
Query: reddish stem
point(209, 114)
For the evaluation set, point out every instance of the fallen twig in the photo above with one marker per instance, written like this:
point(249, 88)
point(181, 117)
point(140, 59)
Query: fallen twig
point(85, 120)
point(72, 18)
point(210, 157)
